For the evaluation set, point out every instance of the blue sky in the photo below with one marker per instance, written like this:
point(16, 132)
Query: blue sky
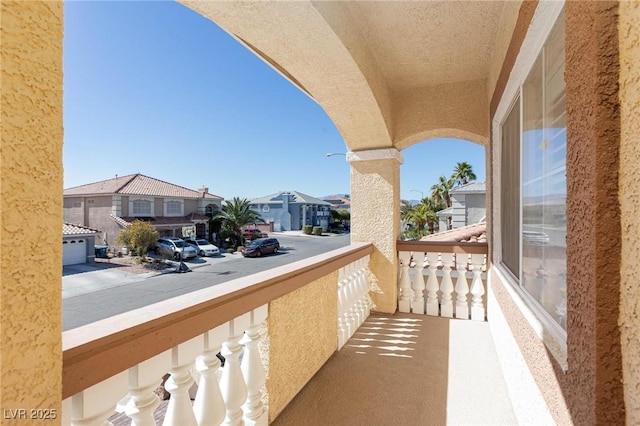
point(154, 88)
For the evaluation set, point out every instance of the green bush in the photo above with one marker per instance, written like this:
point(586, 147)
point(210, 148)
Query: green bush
point(317, 230)
point(307, 229)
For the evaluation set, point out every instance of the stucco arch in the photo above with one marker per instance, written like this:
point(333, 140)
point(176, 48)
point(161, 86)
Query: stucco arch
point(458, 110)
point(317, 47)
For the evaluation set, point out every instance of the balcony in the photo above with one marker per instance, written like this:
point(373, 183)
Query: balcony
point(300, 347)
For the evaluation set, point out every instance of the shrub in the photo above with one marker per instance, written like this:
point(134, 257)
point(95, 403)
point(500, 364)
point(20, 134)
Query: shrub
point(307, 229)
point(317, 230)
point(230, 250)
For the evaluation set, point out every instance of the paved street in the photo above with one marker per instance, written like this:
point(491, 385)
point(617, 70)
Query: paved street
point(91, 296)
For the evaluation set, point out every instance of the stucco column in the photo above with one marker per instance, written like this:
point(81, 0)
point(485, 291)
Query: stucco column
point(31, 209)
point(375, 216)
point(629, 34)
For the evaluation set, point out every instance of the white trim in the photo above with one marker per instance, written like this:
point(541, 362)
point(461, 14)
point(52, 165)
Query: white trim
point(375, 154)
point(172, 200)
point(544, 326)
point(151, 200)
point(544, 19)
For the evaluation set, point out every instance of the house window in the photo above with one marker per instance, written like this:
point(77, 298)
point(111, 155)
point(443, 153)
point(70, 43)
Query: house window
point(173, 208)
point(265, 208)
point(142, 208)
point(533, 179)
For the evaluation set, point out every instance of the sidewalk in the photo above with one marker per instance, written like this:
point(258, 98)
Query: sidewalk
point(103, 274)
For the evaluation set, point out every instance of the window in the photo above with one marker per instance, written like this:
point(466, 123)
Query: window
point(173, 208)
point(265, 208)
point(533, 179)
point(142, 208)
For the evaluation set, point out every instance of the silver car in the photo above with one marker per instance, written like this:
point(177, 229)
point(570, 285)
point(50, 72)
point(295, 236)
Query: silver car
point(177, 248)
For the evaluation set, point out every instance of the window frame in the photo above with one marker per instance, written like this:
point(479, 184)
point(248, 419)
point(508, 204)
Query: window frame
point(168, 202)
point(133, 201)
point(547, 328)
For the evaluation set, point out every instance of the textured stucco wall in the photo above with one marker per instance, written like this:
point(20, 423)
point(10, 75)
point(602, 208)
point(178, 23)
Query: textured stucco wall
point(592, 387)
point(31, 205)
point(303, 330)
point(629, 38)
point(375, 217)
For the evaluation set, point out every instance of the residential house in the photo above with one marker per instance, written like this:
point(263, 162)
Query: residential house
point(291, 210)
point(468, 205)
point(78, 244)
point(111, 205)
point(390, 75)
point(338, 202)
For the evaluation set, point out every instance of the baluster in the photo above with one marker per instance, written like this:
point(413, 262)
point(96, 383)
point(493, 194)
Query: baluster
point(352, 297)
point(232, 385)
point(462, 286)
point(477, 288)
point(417, 306)
point(357, 290)
point(446, 287)
point(432, 285)
point(363, 289)
point(365, 278)
point(144, 378)
point(209, 406)
point(179, 411)
point(404, 304)
point(255, 413)
point(343, 327)
point(94, 405)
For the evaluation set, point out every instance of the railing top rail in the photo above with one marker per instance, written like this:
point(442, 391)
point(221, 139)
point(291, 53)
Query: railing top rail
point(442, 247)
point(97, 351)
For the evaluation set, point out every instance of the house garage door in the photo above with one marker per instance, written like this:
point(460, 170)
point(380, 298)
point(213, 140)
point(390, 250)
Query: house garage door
point(74, 251)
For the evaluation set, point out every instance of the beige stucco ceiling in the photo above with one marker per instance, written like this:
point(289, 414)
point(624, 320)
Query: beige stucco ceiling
point(420, 44)
point(388, 73)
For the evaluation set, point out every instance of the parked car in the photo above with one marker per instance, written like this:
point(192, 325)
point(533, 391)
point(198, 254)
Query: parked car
point(177, 248)
point(261, 246)
point(252, 234)
point(204, 247)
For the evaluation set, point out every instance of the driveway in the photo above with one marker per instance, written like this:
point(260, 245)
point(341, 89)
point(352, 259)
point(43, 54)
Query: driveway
point(104, 274)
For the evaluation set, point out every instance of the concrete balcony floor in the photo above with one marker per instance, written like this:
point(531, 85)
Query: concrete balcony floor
point(402, 369)
point(406, 369)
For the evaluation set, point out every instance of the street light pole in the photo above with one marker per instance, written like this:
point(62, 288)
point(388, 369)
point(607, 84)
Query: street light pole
point(331, 154)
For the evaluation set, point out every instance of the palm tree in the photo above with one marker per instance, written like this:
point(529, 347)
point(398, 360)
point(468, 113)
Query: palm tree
point(440, 191)
point(422, 215)
point(463, 174)
point(235, 215)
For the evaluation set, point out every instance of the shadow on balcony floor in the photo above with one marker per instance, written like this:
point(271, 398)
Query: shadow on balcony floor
point(407, 369)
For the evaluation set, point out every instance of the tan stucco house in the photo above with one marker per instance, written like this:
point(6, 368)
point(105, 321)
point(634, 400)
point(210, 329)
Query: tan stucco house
point(111, 205)
point(550, 88)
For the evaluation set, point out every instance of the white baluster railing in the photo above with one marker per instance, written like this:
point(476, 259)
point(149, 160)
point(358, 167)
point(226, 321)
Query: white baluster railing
point(126, 366)
point(209, 405)
point(405, 292)
point(255, 413)
point(418, 284)
point(462, 287)
point(447, 292)
point(353, 298)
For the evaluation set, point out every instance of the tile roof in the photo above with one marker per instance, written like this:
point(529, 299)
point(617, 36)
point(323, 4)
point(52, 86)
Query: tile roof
point(469, 188)
point(298, 198)
point(137, 184)
point(476, 233)
point(73, 229)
